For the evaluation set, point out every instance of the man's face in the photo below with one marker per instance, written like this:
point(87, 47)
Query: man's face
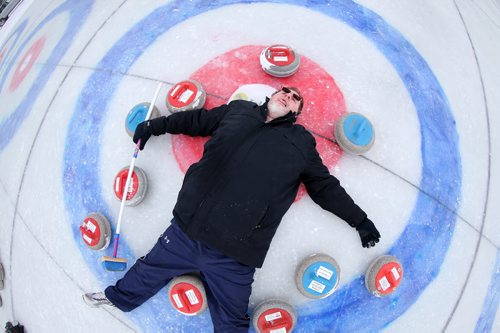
point(282, 102)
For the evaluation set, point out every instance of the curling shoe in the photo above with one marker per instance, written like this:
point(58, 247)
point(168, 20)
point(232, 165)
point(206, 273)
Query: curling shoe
point(97, 300)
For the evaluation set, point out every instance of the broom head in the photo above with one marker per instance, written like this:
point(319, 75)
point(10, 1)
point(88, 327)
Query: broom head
point(114, 264)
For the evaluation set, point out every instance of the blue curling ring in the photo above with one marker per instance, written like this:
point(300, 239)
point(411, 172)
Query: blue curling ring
point(430, 220)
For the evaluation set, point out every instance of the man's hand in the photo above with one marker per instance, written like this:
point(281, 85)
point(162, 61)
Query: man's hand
point(368, 233)
point(142, 132)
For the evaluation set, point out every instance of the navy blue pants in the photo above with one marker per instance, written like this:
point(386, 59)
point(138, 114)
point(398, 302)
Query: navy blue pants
point(228, 283)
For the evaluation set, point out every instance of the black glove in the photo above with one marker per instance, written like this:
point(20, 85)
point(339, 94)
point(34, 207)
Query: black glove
point(143, 132)
point(368, 233)
point(9, 328)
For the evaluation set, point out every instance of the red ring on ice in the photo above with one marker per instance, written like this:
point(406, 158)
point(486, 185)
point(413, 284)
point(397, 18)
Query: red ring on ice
point(324, 102)
point(26, 63)
point(2, 53)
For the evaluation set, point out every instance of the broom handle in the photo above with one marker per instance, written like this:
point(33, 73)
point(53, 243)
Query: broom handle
point(130, 172)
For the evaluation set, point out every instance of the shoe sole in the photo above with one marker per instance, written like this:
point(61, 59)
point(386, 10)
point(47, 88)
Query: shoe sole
point(89, 302)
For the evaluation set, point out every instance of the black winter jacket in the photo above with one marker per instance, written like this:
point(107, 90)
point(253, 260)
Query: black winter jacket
point(234, 198)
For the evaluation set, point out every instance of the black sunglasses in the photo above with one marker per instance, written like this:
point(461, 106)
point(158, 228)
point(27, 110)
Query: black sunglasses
point(287, 90)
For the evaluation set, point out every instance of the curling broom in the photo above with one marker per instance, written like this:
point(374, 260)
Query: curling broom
point(114, 263)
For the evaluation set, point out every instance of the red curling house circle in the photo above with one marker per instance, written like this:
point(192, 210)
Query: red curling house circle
point(27, 61)
point(323, 100)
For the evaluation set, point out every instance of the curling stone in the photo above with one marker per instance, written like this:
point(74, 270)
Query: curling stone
point(187, 295)
point(279, 60)
point(137, 188)
point(2, 276)
point(137, 115)
point(354, 133)
point(274, 316)
point(96, 231)
point(186, 95)
point(384, 276)
point(318, 276)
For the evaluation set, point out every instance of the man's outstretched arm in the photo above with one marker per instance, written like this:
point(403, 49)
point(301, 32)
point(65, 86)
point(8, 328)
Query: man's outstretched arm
point(200, 122)
point(326, 191)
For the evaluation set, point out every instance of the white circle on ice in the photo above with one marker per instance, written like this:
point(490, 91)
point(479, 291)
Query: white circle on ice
point(370, 86)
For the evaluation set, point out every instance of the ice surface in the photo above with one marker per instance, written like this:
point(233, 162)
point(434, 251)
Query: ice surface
point(98, 59)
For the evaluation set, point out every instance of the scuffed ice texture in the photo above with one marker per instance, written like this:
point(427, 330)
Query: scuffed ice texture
point(424, 183)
